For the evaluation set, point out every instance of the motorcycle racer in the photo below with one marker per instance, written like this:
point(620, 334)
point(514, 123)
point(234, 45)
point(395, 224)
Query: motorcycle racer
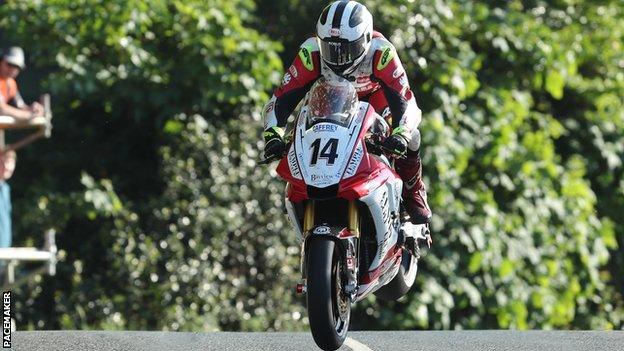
point(346, 46)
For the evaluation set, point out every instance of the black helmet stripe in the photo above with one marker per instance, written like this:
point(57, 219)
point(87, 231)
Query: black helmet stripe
point(356, 16)
point(338, 14)
point(323, 18)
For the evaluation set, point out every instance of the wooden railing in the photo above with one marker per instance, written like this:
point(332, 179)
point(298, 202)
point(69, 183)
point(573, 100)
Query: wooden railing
point(14, 255)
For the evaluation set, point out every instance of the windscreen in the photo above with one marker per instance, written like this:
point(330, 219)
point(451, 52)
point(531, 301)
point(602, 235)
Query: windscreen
point(332, 100)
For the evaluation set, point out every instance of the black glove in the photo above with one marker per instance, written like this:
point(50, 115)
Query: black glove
point(274, 145)
point(396, 144)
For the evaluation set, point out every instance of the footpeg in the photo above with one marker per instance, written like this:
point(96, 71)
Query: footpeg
point(414, 233)
point(428, 237)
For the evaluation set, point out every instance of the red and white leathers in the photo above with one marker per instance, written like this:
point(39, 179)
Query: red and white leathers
point(379, 79)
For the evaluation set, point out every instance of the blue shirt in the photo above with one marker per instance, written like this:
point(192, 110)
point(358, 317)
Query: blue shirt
point(5, 214)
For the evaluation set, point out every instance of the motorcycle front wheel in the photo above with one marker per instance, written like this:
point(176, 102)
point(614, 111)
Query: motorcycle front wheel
point(329, 309)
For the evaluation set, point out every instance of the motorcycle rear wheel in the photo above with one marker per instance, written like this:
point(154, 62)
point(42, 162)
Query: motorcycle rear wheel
point(402, 282)
point(329, 309)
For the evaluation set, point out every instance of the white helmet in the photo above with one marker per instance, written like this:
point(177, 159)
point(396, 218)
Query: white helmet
point(344, 32)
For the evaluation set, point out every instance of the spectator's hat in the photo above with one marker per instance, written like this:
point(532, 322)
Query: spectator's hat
point(15, 56)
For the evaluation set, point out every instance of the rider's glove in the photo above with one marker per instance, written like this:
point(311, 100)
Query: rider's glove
point(397, 142)
point(274, 145)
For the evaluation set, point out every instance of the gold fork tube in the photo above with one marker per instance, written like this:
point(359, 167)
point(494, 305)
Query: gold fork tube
point(308, 216)
point(353, 218)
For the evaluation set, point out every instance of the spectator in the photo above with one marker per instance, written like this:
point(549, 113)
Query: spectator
point(7, 166)
point(11, 102)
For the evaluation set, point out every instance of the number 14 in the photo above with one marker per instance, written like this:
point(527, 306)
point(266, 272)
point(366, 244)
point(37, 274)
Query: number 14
point(329, 151)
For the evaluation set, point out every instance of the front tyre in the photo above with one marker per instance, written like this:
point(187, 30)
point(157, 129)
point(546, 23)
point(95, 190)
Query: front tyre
point(402, 282)
point(329, 309)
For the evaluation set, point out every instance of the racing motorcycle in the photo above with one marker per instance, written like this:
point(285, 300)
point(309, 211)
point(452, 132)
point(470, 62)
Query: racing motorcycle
point(344, 200)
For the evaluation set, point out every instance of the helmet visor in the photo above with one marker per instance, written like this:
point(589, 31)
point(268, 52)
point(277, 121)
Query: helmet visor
point(341, 52)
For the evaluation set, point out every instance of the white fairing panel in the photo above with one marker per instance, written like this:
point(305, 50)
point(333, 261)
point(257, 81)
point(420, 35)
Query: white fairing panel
point(354, 162)
point(383, 204)
point(292, 216)
point(292, 163)
point(324, 151)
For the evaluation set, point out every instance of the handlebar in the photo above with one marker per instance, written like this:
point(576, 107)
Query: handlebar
point(374, 143)
point(269, 160)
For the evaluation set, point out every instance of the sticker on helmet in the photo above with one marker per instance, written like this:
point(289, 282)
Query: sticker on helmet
point(306, 58)
point(386, 57)
point(335, 32)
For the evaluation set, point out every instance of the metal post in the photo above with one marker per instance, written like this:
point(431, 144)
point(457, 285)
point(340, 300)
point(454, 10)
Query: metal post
point(50, 245)
point(11, 271)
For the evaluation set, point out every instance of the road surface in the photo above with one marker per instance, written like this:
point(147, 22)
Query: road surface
point(357, 341)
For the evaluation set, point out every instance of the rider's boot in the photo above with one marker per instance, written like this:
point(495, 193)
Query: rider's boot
point(414, 191)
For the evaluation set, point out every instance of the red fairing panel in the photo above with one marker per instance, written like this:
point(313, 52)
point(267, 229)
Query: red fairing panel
point(297, 189)
point(393, 255)
point(368, 178)
point(371, 172)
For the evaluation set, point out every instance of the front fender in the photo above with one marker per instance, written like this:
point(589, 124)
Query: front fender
point(346, 242)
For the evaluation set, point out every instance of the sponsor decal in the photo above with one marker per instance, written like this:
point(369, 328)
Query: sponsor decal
point(355, 160)
point(387, 219)
point(270, 106)
point(286, 79)
point(350, 263)
point(363, 83)
point(322, 177)
point(335, 32)
point(324, 127)
point(293, 71)
point(397, 193)
point(6, 319)
point(292, 164)
point(403, 80)
point(322, 230)
point(306, 58)
point(397, 72)
point(361, 89)
point(385, 59)
point(385, 113)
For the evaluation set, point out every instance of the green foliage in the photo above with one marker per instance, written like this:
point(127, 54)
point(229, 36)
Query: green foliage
point(165, 221)
point(510, 92)
point(121, 71)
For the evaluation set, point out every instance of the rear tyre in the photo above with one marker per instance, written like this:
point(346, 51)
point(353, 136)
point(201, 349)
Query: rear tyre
point(402, 282)
point(329, 309)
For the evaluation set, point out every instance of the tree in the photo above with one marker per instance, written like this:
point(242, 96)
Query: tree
point(166, 222)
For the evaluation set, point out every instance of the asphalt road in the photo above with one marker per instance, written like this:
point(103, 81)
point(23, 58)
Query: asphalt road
point(357, 341)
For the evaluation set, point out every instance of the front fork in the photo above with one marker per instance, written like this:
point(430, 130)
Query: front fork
point(347, 240)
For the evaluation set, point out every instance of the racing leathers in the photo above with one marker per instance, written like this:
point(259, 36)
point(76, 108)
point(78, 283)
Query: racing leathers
point(380, 80)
